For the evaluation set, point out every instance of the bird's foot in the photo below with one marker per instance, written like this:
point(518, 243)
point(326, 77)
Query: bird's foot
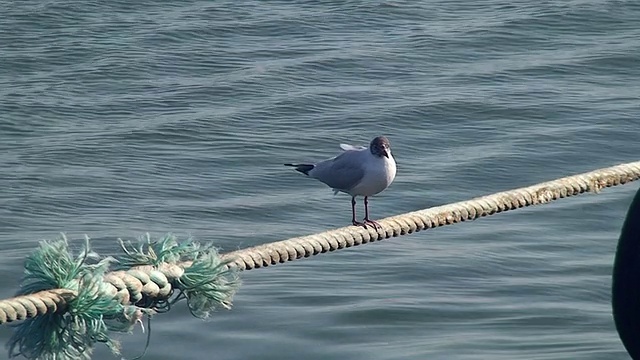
point(358, 223)
point(373, 224)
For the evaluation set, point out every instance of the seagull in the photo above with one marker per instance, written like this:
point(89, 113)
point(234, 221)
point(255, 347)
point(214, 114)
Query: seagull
point(358, 171)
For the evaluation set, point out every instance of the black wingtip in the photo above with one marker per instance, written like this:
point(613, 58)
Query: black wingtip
point(303, 168)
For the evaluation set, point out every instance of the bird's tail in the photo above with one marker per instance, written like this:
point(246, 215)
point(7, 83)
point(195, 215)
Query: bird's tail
point(303, 168)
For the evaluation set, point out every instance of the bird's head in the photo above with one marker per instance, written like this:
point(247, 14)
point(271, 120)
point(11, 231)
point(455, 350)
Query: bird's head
point(380, 147)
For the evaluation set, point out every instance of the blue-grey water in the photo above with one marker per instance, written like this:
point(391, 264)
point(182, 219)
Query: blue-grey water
point(122, 117)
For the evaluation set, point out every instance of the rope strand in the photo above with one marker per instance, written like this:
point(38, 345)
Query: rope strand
point(155, 281)
point(305, 246)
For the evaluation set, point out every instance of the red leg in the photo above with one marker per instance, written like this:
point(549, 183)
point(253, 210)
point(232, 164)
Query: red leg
point(353, 213)
point(366, 215)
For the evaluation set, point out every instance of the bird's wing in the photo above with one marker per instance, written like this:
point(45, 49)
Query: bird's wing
point(341, 173)
point(347, 147)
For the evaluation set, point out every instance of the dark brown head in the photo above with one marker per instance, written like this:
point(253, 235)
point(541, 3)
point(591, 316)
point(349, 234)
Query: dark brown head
point(380, 147)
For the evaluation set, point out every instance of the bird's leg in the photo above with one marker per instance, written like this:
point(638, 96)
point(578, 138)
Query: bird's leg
point(366, 215)
point(353, 213)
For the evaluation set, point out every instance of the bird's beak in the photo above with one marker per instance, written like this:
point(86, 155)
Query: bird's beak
point(386, 152)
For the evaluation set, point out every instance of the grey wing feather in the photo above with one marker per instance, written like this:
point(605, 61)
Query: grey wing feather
point(340, 173)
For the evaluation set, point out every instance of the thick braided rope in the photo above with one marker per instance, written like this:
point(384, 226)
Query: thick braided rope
point(128, 287)
point(305, 246)
point(155, 283)
point(26, 306)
